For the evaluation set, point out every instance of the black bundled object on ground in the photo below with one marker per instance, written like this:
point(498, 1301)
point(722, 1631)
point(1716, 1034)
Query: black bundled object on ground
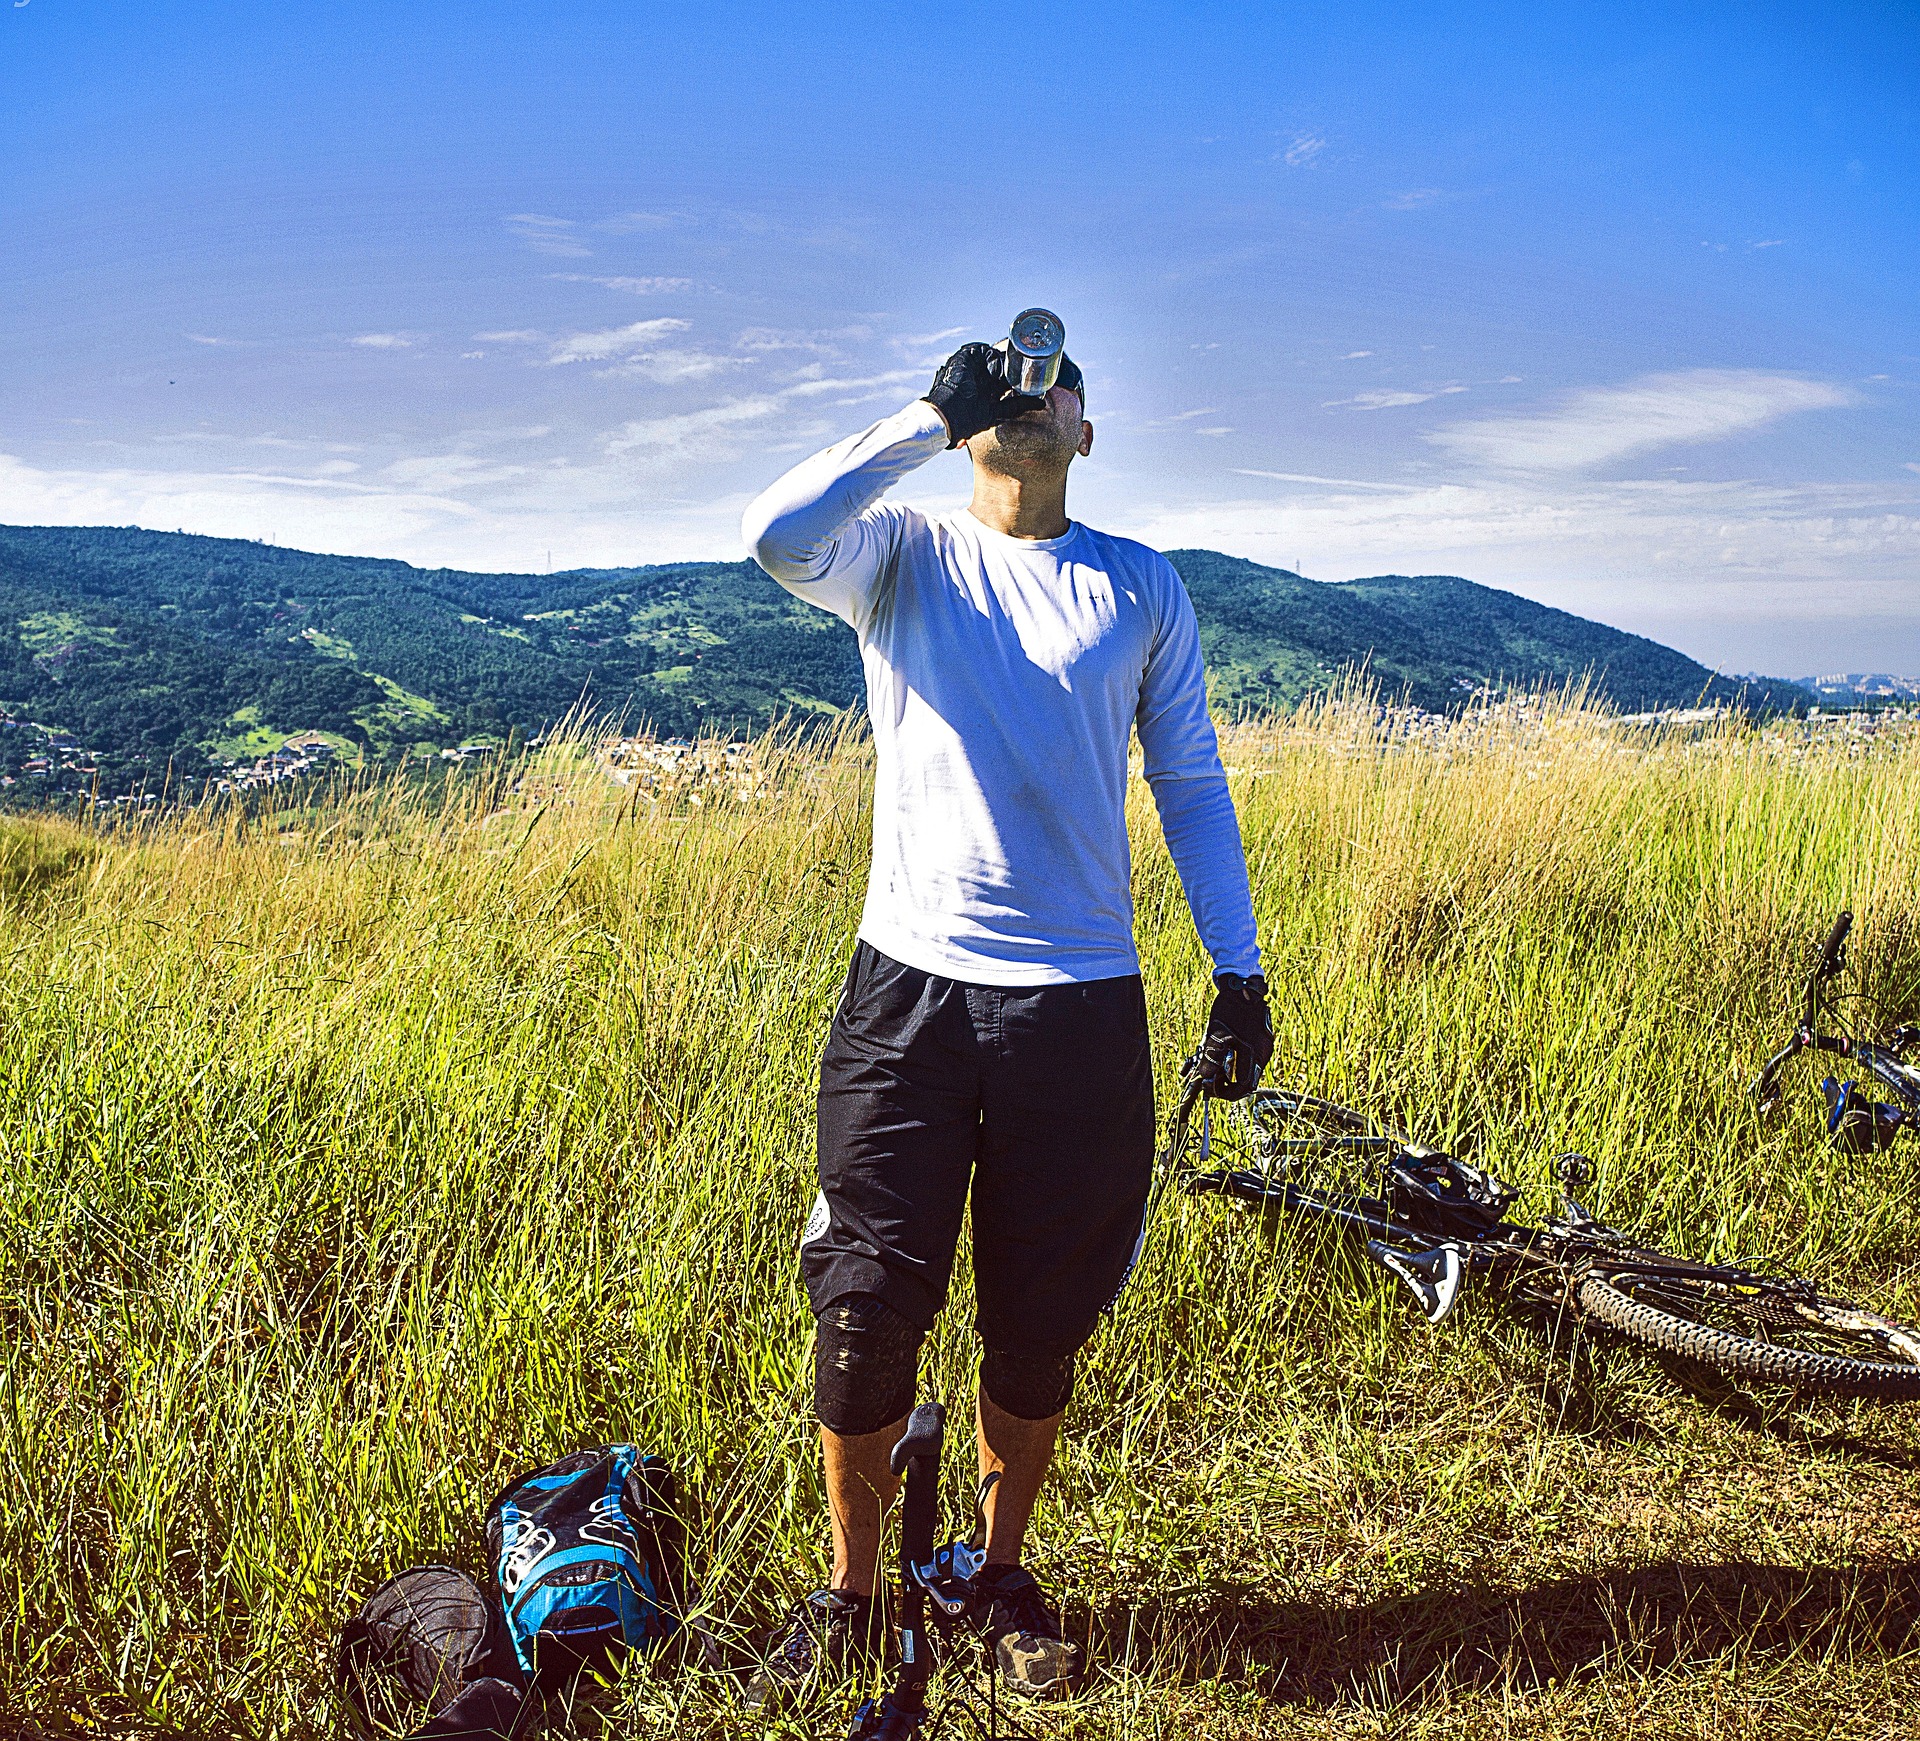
point(427, 1656)
point(1444, 1197)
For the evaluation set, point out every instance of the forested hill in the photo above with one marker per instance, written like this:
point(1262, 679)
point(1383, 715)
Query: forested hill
point(163, 644)
point(1271, 637)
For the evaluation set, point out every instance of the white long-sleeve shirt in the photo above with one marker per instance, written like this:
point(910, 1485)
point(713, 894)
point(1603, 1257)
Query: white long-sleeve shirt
point(1004, 676)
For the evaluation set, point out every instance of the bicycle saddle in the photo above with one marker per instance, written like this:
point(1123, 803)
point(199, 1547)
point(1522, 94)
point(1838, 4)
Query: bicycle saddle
point(1433, 1276)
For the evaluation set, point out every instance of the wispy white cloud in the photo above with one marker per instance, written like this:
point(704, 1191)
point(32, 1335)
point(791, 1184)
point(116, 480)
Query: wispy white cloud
point(628, 223)
point(1304, 149)
point(1776, 243)
point(617, 341)
point(1387, 399)
point(1354, 356)
point(1312, 478)
point(708, 431)
point(450, 471)
point(545, 235)
point(385, 341)
point(1635, 551)
point(293, 443)
point(633, 286)
point(1414, 198)
point(716, 431)
point(1603, 424)
point(202, 338)
point(849, 389)
point(1222, 429)
point(772, 338)
point(671, 366)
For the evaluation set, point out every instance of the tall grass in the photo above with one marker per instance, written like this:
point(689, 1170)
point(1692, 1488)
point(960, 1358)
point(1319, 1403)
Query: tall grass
point(359, 1156)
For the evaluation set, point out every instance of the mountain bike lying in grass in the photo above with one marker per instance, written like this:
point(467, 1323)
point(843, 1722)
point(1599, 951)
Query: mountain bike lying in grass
point(1432, 1220)
point(1855, 1121)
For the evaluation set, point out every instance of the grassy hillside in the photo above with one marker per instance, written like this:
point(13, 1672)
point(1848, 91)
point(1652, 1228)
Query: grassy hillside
point(1272, 638)
point(356, 1159)
point(155, 645)
point(385, 653)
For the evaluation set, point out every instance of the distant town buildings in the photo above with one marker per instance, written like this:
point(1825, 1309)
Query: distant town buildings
point(1863, 688)
point(307, 753)
point(682, 769)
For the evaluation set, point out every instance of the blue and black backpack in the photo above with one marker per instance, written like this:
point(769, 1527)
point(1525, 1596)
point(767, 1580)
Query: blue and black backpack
point(585, 1554)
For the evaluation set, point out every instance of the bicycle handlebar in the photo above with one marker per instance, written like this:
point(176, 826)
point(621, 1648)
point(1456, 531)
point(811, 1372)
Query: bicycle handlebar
point(1832, 959)
point(1830, 950)
point(926, 1429)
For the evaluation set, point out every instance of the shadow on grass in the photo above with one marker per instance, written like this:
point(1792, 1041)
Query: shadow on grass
point(1774, 1416)
point(1470, 1638)
point(1575, 1383)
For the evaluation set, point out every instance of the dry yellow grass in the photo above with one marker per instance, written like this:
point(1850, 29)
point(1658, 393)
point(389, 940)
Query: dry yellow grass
point(357, 1156)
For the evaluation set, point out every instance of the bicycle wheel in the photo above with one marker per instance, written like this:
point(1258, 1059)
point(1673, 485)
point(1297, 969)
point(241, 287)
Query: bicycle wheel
point(1760, 1330)
point(1281, 1135)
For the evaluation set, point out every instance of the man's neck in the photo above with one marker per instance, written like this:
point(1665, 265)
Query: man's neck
point(1020, 507)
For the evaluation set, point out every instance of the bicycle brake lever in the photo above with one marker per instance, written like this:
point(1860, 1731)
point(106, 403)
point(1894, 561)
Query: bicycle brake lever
point(948, 1577)
point(978, 1539)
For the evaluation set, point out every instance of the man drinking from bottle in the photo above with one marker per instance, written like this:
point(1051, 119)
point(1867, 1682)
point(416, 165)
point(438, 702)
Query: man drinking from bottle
point(990, 1045)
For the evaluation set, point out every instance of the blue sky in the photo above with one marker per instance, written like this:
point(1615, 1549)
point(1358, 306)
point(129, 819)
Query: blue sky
point(1612, 306)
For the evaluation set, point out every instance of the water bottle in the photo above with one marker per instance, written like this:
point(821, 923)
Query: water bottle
point(1033, 349)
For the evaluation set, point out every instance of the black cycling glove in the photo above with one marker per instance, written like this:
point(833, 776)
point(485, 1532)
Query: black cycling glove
point(1239, 1042)
point(971, 392)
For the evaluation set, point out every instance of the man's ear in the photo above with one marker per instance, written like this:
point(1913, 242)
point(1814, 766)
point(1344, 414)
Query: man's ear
point(1086, 439)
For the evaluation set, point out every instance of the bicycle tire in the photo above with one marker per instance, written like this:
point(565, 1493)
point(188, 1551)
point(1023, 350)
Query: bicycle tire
point(1756, 1359)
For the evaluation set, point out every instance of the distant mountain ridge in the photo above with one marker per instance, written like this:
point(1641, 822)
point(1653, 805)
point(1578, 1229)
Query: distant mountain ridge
point(163, 644)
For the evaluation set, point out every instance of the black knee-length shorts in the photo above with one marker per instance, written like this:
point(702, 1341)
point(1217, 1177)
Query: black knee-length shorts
point(1036, 1103)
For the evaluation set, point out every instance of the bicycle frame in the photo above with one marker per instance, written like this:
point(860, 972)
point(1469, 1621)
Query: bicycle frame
point(1552, 1259)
